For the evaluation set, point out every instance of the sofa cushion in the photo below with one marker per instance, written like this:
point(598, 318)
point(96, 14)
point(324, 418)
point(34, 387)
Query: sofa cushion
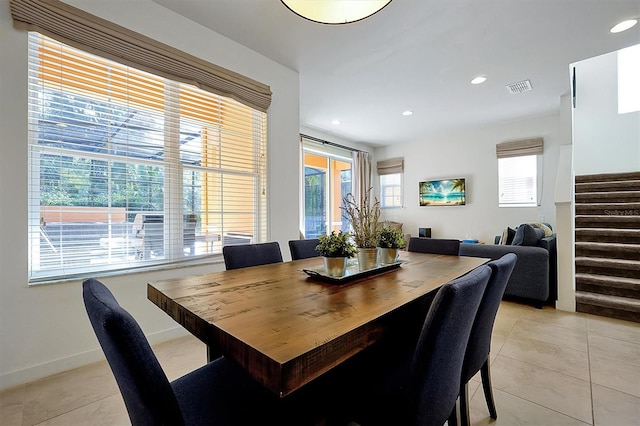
point(507, 236)
point(527, 235)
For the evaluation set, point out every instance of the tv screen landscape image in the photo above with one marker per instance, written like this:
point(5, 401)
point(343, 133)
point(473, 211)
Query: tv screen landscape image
point(449, 192)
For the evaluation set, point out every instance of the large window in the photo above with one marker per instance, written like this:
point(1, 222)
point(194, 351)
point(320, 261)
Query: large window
point(129, 169)
point(327, 179)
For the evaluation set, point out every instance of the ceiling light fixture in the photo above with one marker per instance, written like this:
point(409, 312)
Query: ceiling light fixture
point(335, 122)
point(335, 11)
point(479, 80)
point(623, 26)
point(407, 113)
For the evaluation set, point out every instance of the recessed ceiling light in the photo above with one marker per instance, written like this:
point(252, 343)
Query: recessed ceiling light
point(407, 112)
point(479, 79)
point(624, 25)
point(335, 122)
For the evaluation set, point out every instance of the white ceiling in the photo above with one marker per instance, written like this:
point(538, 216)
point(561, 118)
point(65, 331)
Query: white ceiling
point(421, 55)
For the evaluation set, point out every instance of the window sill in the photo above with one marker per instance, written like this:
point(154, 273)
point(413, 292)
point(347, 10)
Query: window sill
point(81, 276)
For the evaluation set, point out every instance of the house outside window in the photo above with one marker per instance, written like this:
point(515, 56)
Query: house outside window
point(129, 169)
point(390, 173)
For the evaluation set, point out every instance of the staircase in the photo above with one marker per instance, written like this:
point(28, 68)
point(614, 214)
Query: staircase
point(607, 227)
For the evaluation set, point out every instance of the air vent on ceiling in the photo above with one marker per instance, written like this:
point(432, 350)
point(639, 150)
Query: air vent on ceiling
point(519, 87)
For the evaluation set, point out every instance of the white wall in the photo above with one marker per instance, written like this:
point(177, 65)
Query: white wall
point(603, 140)
point(44, 329)
point(472, 154)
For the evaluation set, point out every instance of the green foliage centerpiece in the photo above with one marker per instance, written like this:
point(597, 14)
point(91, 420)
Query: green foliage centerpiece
point(363, 216)
point(336, 248)
point(390, 242)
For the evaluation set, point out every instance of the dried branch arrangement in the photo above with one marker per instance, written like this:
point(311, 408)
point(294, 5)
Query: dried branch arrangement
point(363, 217)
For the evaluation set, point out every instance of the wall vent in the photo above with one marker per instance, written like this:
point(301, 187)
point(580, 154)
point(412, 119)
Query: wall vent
point(519, 87)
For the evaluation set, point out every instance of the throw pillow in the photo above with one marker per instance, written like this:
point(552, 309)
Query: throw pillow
point(391, 225)
point(507, 236)
point(546, 228)
point(527, 235)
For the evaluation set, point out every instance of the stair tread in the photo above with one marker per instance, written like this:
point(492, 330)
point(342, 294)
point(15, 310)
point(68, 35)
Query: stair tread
point(608, 280)
point(613, 192)
point(619, 204)
point(622, 231)
point(607, 177)
point(606, 260)
point(625, 247)
point(615, 217)
point(620, 246)
point(607, 300)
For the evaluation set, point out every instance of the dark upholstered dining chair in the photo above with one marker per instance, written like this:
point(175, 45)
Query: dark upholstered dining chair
point(477, 356)
point(434, 245)
point(420, 385)
point(219, 393)
point(245, 255)
point(303, 249)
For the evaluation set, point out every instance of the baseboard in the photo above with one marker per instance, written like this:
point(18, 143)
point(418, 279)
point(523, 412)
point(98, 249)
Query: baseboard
point(30, 374)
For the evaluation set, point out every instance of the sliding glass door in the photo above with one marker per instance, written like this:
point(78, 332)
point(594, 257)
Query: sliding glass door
point(327, 179)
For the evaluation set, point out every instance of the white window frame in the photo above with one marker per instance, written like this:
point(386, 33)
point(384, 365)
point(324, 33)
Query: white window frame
point(518, 174)
point(385, 186)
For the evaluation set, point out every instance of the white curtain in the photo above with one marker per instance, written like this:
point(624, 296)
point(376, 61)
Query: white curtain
point(360, 174)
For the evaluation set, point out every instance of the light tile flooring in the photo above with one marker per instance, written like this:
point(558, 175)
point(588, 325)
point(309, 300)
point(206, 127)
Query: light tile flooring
point(548, 368)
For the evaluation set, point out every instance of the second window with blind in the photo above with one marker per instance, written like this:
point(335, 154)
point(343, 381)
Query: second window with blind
point(390, 172)
point(520, 173)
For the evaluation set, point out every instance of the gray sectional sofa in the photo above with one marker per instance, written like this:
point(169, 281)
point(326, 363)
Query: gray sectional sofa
point(534, 278)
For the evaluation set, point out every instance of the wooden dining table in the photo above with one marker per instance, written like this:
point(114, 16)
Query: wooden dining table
point(286, 328)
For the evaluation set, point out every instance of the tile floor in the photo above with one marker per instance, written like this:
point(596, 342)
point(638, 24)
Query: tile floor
point(548, 367)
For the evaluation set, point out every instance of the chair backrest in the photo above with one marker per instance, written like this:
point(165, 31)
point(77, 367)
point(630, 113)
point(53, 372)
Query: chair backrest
point(434, 245)
point(145, 388)
point(437, 360)
point(303, 249)
point(246, 255)
point(480, 337)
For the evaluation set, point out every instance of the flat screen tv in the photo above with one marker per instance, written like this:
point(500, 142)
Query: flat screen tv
point(444, 192)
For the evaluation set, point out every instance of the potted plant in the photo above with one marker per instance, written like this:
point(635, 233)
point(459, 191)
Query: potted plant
point(390, 241)
point(363, 217)
point(336, 248)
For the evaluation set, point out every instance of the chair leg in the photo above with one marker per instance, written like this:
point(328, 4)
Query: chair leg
point(485, 372)
point(463, 402)
point(453, 417)
point(213, 353)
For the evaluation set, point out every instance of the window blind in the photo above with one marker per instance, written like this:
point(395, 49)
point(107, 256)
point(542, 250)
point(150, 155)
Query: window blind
point(390, 166)
point(90, 33)
point(130, 169)
point(520, 148)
